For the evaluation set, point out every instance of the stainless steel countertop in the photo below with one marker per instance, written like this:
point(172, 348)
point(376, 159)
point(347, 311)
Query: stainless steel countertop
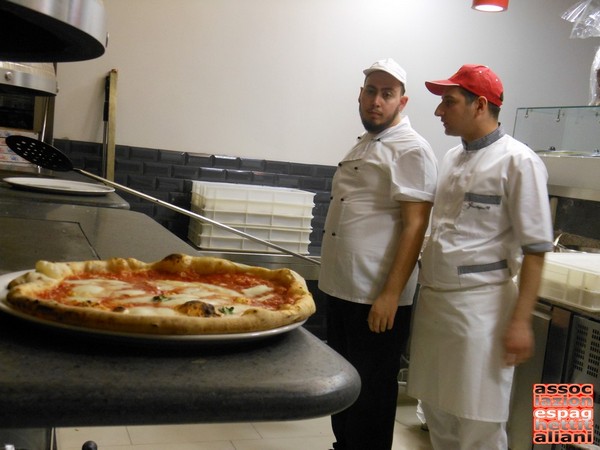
point(571, 306)
point(61, 232)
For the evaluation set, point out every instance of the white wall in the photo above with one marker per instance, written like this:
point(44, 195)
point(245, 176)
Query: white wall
point(279, 79)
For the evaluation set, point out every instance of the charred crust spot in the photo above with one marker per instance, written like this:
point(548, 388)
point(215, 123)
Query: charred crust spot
point(174, 258)
point(196, 308)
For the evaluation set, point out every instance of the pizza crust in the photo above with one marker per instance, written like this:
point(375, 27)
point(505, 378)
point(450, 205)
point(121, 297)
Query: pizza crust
point(23, 295)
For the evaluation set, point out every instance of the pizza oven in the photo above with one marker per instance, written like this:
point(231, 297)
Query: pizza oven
point(37, 34)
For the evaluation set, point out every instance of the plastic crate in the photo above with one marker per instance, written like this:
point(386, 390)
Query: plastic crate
point(265, 233)
point(239, 243)
point(205, 190)
point(246, 218)
point(251, 206)
point(572, 278)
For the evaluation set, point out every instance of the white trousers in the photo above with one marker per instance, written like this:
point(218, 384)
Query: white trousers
point(449, 432)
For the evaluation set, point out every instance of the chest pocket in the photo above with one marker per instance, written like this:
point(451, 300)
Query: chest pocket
point(481, 201)
point(482, 214)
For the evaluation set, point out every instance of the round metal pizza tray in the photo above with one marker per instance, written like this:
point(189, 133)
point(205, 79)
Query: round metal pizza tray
point(57, 186)
point(140, 337)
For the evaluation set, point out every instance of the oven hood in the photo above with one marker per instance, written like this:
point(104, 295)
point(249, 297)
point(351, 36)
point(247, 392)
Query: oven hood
point(52, 30)
point(28, 78)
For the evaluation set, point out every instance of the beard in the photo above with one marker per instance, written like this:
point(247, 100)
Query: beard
point(377, 127)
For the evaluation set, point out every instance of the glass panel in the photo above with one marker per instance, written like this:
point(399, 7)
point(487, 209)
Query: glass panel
point(569, 129)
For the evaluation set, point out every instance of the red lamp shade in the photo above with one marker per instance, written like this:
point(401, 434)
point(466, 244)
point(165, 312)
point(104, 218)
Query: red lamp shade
point(490, 5)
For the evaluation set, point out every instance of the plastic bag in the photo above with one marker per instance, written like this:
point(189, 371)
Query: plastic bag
point(586, 18)
point(576, 11)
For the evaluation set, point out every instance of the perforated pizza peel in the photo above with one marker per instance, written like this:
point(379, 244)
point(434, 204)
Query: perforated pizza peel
point(49, 157)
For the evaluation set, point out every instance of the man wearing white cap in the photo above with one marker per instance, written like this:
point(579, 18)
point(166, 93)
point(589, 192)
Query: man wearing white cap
point(491, 218)
point(380, 205)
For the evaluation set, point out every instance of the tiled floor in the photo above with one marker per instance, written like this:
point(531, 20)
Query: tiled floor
point(313, 434)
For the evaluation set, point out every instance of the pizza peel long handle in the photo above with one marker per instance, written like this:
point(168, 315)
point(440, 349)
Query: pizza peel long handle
point(195, 215)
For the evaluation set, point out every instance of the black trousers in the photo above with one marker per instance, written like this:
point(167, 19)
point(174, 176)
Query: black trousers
point(369, 423)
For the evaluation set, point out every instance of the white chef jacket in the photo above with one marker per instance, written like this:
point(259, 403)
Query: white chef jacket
point(364, 217)
point(491, 206)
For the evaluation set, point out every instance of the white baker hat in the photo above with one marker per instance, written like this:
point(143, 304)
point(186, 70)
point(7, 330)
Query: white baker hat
point(390, 66)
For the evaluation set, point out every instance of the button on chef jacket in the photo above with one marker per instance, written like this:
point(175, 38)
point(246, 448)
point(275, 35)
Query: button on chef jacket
point(364, 217)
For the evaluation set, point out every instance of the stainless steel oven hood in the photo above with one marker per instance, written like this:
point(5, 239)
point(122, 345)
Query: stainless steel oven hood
point(52, 30)
point(28, 78)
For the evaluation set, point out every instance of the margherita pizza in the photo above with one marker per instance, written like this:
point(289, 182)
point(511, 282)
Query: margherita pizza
point(179, 295)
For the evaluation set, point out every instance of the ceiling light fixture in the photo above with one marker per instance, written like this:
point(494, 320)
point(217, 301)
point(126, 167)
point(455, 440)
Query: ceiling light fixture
point(490, 5)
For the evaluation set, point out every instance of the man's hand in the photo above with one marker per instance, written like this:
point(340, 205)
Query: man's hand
point(415, 218)
point(518, 338)
point(382, 314)
point(518, 342)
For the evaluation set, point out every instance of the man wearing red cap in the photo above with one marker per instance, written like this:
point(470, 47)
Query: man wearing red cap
point(491, 220)
point(381, 200)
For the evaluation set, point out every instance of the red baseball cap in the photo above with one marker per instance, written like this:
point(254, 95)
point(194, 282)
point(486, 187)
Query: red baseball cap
point(478, 79)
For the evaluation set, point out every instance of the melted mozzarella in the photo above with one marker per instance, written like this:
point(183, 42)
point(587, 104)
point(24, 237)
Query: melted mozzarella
point(197, 287)
point(94, 290)
point(87, 290)
point(257, 291)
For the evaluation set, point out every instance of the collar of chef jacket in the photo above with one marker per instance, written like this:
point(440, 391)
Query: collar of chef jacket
point(359, 150)
point(485, 141)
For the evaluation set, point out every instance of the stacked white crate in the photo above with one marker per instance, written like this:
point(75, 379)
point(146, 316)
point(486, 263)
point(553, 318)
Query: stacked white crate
point(282, 216)
point(572, 278)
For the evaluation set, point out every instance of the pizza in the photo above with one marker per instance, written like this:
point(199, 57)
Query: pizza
point(178, 295)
